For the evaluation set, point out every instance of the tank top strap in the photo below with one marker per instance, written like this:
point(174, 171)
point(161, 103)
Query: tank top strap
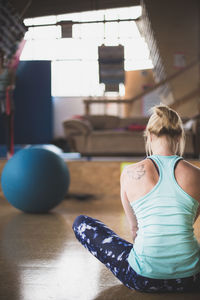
point(157, 163)
point(173, 164)
point(165, 164)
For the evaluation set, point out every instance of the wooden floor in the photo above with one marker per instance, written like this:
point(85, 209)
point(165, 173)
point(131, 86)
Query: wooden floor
point(40, 259)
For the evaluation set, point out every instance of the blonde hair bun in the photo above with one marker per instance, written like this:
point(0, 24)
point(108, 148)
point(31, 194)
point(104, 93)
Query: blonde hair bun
point(166, 121)
point(169, 119)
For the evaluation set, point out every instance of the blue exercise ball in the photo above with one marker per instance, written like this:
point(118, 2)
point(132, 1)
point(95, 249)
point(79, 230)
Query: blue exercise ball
point(35, 180)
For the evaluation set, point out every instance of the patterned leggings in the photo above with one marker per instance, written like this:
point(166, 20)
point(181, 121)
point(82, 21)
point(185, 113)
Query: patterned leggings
point(113, 252)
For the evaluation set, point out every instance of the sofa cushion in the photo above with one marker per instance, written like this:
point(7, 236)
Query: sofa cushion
point(110, 142)
point(125, 122)
point(100, 122)
point(77, 127)
point(136, 127)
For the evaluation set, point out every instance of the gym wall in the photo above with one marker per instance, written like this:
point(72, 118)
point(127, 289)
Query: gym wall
point(173, 28)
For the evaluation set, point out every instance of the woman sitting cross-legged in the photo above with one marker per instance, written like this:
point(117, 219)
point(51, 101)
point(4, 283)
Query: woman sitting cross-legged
point(160, 196)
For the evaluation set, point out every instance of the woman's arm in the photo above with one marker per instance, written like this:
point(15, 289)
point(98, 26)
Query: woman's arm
point(128, 210)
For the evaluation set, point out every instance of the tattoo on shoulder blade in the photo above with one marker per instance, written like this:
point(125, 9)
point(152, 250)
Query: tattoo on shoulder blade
point(137, 174)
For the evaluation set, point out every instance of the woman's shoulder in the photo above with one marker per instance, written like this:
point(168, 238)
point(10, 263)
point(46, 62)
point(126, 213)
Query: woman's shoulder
point(188, 177)
point(187, 166)
point(136, 170)
point(188, 171)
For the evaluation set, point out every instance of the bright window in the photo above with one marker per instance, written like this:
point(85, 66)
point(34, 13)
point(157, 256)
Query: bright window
point(75, 70)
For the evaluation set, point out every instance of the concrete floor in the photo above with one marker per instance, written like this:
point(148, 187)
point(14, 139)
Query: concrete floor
point(40, 259)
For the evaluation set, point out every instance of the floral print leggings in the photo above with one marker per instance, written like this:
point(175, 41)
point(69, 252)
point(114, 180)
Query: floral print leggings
point(113, 252)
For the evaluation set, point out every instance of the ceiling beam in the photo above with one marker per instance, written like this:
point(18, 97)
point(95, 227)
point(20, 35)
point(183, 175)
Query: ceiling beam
point(37, 8)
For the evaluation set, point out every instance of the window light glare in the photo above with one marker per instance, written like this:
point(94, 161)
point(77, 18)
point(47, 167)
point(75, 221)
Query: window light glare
point(43, 33)
point(99, 15)
point(75, 68)
point(40, 21)
point(67, 17)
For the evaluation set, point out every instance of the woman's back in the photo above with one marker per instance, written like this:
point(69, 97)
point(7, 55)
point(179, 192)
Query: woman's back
point(165, 246)
point(140, 178)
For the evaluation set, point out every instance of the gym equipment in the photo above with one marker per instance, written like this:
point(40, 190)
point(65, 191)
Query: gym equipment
point(111, 66)
point(49, 147)
point(35, 180)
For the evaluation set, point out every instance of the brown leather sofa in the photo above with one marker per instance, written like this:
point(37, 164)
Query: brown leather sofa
point(106, 135)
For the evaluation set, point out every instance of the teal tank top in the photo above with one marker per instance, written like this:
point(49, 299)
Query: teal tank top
point(165, 246)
